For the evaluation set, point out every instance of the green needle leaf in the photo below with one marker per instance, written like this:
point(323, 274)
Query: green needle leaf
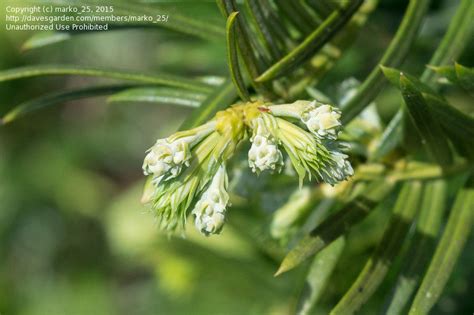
point(422, 246)
point(393, 76)
point(465, 76)
point(457, 125)
point(266, 33)
point(318, 275)
point(253, 61)
point(297, 15)
point(447, 253)
point(427, 126)
point(160, 79)
point(451, 46)
point(312, 43)
point(457, 74)
point(176, 21)
point(389, 247)
point(393, 57)
point(159, 95)
point(335, 225)
point(58, 98)
point(232, 58)
point(43, 39)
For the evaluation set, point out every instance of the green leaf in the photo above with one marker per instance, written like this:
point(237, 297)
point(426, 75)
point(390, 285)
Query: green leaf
point(394, 75)
point(448, 72)
point(335, 225)
point(421, 248)
point(465, 76)
point(271, 41)
point(422, 171)
point(318, 276)
point(159, 95)
point(390, 138)
point(232, 58)
point(427, 126)
point(176, 22)
point(253, 61)
point(297, 15)
point(312, 43)
point(386, 252)
point(447, 253)
point(394, 55)
point(58, 98)
point(276, 28)
point(43, 39)
point(160, 79)
point(454, 41)
point(457, 125)
point(222, 97)
point(450, 48)
point(322, 7)
point(457, 74)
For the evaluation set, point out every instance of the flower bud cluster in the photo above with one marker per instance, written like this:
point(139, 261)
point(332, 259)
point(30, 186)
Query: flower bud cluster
point(323, 120)
point(189, 167)
point(166, 159)
point(210, 210)
point(264, 153)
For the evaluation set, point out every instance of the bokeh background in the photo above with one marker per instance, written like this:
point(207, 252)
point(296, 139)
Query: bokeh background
point(74, 238)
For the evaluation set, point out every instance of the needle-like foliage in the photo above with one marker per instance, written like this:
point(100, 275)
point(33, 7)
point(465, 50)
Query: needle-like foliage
point(279, 52)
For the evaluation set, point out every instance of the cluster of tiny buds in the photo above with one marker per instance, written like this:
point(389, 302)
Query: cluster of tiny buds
point(209, 211)
point(166, 158)
point(264, 153)
point(323, 121)
point(310, 144)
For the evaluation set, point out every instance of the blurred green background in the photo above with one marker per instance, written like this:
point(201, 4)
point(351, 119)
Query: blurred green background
point(74, 238)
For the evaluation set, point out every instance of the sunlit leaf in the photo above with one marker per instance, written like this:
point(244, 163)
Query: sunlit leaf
point(44, 39)
point(48, 70)
point(176, 21)
point(419, 170)
point(159, 95)
point(58, 98)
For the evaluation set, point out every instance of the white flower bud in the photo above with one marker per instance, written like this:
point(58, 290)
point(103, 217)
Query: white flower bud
point(322, 121)
point(209, 211)
point(264, 153)
point(340, 169)
point(166, 159)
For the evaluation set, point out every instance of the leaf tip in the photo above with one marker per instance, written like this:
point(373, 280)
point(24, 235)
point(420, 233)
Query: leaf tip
point(6, 119)
point(261, 78)
point(282, 269)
